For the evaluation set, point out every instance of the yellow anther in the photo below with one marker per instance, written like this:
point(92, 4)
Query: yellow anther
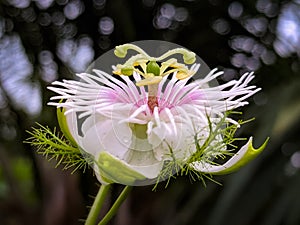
point(181, 75)
point(167, 64)
point(117, 72)
point(143, 64)
point(184, 74)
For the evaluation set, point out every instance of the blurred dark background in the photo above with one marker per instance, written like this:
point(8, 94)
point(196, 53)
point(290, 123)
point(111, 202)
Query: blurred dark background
point(45, 40)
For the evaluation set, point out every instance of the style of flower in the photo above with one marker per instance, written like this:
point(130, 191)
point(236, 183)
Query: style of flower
point(151, 119)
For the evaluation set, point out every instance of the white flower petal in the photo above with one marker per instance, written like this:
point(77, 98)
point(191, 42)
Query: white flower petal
point(104, 135)
point(151, 171)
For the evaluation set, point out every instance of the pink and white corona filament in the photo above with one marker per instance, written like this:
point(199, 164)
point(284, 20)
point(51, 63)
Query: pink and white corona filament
point(151, 112)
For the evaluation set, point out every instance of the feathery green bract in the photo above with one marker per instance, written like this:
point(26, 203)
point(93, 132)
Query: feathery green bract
point(217, 146)
point(53, 145)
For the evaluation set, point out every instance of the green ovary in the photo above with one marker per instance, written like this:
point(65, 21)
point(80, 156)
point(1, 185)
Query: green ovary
point(153, 67)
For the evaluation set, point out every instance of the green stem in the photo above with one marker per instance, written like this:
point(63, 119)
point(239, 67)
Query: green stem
point(99, 200)
point(115, 206)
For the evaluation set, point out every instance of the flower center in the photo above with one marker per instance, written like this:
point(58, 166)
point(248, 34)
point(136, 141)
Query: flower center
point(153, 69)
point(152, 96)
point(152, 103)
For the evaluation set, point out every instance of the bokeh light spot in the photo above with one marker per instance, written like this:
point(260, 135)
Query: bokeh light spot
point(15, 77)
point(44, 19)
point(58, 18)
point(28, 15)
point(161, 22)
point(76, 54)
point(267, 7)
point(257, 26)
point(295, 160)
point(235, 10)
point(229, 74)
point(170, 17)
point(268, 57)
point(69, 30)
point(252, 63)
point(43, 4)
point(19, 3)
point(238, 60)
point(104, 42)
point(221, 26)
point(167, 10)
point(99, 4)
point(288, 31)
point(181, 14)
point(73, 9)
point(106, 25)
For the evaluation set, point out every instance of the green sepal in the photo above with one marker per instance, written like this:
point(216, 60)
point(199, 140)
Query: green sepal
point(62, 121)
point(115, 170)
point(153, 67)
point(105, 180)
point(250, 154)
point(246, 154)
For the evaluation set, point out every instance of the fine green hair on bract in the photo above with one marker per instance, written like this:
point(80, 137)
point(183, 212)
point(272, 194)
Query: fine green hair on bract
point(55, 146)
point(210, 151)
